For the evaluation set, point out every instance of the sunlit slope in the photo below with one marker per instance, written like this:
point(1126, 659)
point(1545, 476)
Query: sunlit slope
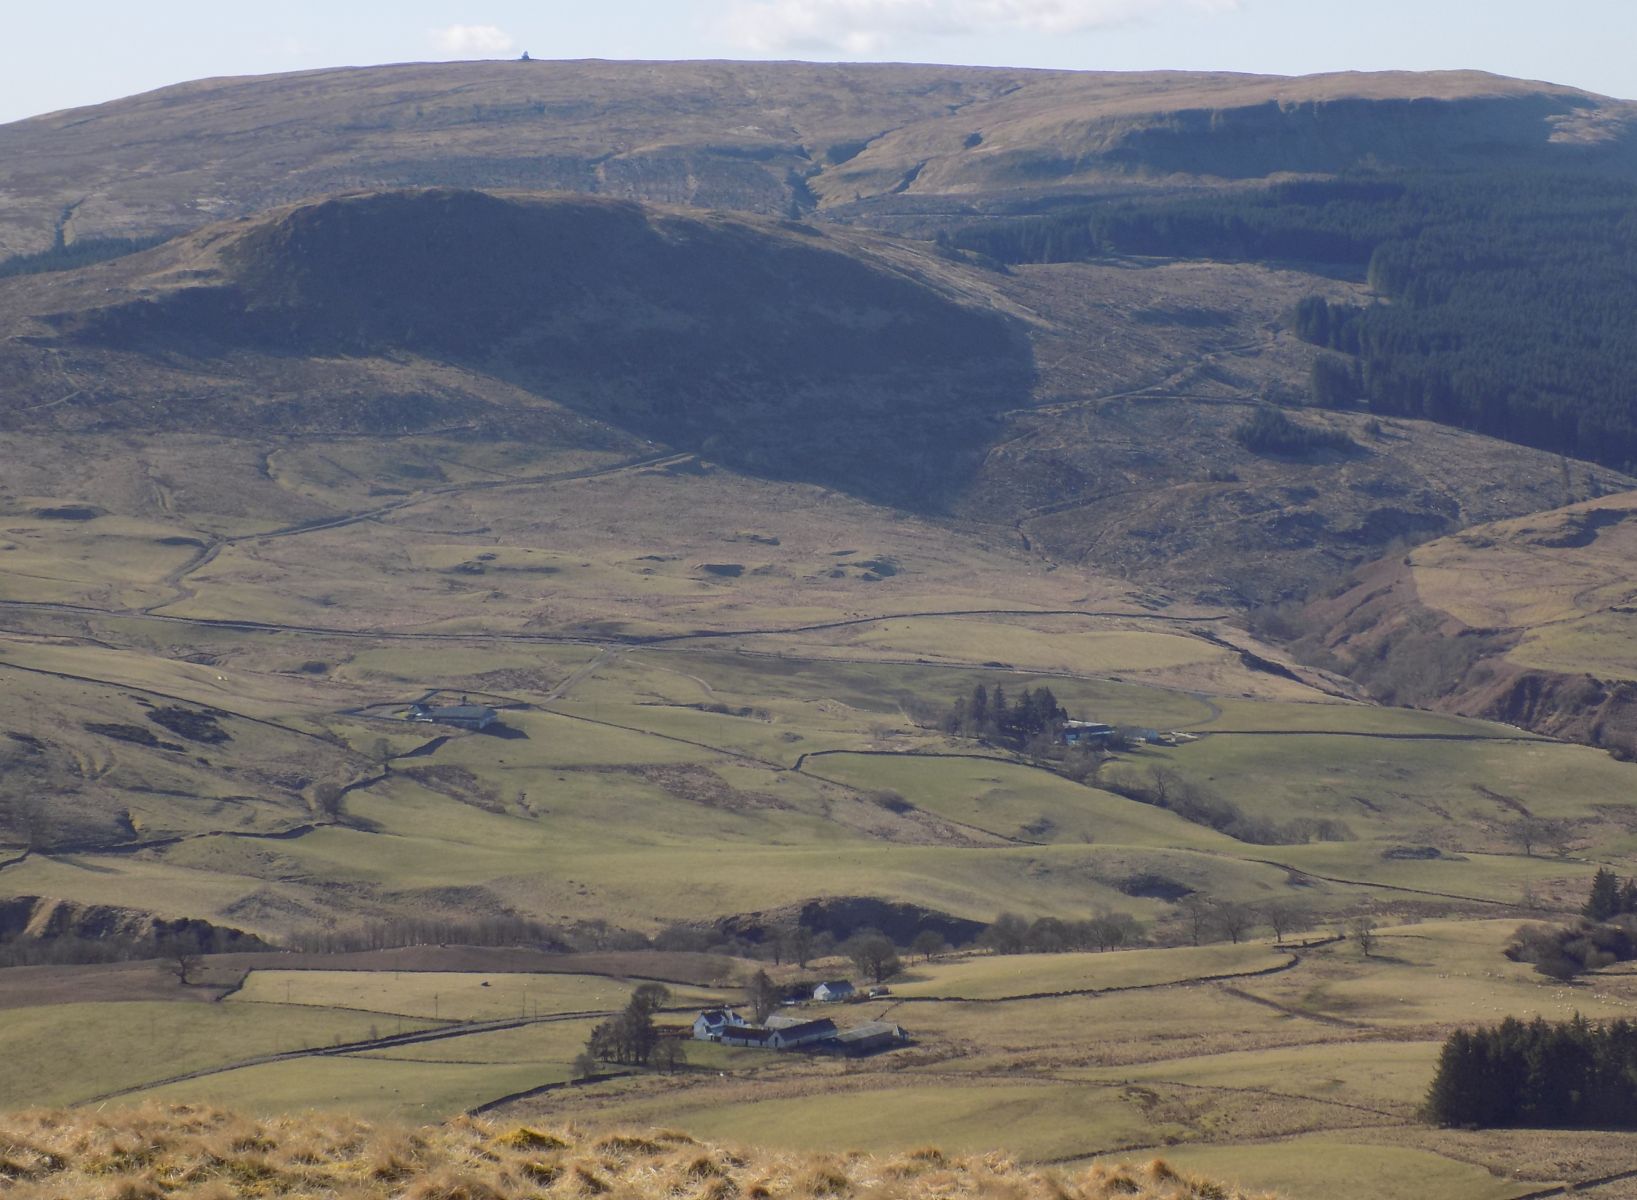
point(1536, 616)
point(765, 137)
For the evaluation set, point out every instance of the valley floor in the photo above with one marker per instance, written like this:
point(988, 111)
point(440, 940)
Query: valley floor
point(700, 721)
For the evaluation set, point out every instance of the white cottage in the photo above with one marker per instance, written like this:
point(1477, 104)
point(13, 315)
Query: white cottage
point(709, 1025)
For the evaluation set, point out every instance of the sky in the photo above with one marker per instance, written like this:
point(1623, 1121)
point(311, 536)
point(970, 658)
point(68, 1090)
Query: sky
point(97, 50)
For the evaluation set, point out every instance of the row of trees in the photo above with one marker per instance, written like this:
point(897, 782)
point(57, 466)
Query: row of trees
point(1565, 1074)
point(1012, 934)
point(1035, 717)
point(1269, 431)
point(1200, 918)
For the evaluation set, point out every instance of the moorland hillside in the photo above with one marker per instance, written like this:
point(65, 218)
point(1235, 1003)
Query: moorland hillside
point(1092, 411)
point(776, 138)
point(772, 346)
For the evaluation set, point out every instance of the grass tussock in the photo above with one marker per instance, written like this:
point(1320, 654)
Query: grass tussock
point(185, 1152)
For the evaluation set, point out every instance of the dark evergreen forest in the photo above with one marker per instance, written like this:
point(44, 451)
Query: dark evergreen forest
point(1566, 1074)
point(1507, 301)
point(70, 256)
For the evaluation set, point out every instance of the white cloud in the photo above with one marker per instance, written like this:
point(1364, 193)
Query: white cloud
point(870, 26)
point(473, 41)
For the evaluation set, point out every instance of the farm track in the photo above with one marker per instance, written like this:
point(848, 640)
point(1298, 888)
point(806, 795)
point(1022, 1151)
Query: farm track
point(64, 608)
point(1287, 1010)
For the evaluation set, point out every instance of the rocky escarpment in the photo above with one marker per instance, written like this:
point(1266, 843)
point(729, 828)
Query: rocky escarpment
point(121, 932)
point(1381, 632)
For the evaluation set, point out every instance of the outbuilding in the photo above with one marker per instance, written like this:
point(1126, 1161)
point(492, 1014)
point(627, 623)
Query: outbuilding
point(461, 716)
point(871, 1037)
point(834, 989)
point(808, 1033)
point(1086, 733)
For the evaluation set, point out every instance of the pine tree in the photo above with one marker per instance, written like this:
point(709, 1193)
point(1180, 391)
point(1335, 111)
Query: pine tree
point(1604, 900)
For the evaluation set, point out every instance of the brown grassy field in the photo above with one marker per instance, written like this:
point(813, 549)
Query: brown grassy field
point(193, 1153)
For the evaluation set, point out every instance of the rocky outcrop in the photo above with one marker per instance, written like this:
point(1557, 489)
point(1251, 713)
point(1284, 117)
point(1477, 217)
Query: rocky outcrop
point(43, 919)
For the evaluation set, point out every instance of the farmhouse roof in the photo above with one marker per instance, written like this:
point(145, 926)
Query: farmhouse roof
point(747, 1033)
point(871, 1029)
point(458, 712)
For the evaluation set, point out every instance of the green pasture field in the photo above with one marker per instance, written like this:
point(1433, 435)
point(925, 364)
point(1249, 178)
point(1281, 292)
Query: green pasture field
point(366, 1087)
point(350, 473)
point(1021, 802)
point(1058, 647)
point(1033, 1120)
point(410, 669)
point(1499, 878)
point(449, 996)
point(251, 693)
point(1392, 1076)
point(189, 885)
point(1599, 645)
point(1441, 973)
point(1327, 715)
point(109, 560)
point(550, 1042)
point(1448, 790)
point(1325, 1167)
point(996, 976)
point(65, 1053)
point(884, 687)
point(1066, 1035)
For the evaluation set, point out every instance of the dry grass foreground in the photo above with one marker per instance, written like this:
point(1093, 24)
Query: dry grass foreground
point(193, 1153)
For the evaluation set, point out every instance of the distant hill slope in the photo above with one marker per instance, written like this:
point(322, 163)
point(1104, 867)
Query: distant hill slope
point(1531, 621)
point(764, 137)
point(1093, 407)
point(585, 321)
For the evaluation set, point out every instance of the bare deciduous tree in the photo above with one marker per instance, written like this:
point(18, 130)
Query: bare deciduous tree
point(1362, 928)
point(762, 994)
point(1196, 909)
point(182, 959)
point(1286, 916)
point(1233, 921)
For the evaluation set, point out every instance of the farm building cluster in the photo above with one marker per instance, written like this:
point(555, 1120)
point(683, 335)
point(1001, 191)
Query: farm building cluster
point(780, 1032)
point(1100, 736)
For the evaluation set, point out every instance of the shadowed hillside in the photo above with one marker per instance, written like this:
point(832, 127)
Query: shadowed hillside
point(772, 347)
